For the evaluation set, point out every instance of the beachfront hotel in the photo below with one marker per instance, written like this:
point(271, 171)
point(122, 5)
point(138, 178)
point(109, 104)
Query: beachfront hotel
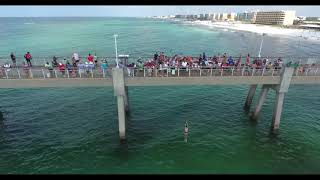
point(275, 17)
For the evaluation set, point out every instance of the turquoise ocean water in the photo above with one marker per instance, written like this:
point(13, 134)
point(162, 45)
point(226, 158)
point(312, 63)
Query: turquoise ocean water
point(74, 130)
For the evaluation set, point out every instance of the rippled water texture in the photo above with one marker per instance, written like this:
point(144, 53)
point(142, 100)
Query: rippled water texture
point(75, 130)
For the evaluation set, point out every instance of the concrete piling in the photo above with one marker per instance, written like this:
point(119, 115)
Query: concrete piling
point(281, 89)
point(262, 98)
point(251, 93)
point(121, 91)
point(277, 110)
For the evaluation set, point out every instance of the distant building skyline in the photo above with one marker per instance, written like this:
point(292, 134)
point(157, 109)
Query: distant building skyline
point(141, 11)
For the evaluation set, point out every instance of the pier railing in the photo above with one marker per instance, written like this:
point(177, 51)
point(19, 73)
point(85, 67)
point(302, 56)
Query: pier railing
point(42, 73)
point(40, 61)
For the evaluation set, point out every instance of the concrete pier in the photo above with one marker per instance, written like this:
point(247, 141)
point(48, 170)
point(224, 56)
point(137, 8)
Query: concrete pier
point(277, 110)
point(121, 117)
point(121, 92)
point(281, 89)
point(262, 98)
point(250, 96)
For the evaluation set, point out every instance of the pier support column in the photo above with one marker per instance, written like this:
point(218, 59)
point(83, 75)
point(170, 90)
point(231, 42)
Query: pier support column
point(281, 89)
point(121, 117)
point(251, 93)
point(262, 98)
point(277, 110)
point(121, 91)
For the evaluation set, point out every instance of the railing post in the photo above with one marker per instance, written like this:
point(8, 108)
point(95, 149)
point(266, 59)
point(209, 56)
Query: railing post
point(43, 74)
point(307, 71)
point(156, 69)
point(5, 71)
point(19, 73)
point(252, 71)
point(263, 71)
point(232, 71)
point(68, 73)
point(211, 71)
point(200, 71)
point(55, 72)
point(221, 72)
point(178, 71)
point(273, 71)
point(31, 75)
point(242, 71)
point(315, 73)
point(79, 73)
point(91, 73)
point(144, 72)
point(103, 74)
point(189, 72)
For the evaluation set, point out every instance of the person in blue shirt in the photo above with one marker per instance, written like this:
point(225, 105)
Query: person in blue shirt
point(69, 67)
point(230, 61)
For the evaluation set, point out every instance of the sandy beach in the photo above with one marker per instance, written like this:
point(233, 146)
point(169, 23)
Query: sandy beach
point(255, 28)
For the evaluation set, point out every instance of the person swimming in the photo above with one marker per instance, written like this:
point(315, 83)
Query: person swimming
point(186, 128)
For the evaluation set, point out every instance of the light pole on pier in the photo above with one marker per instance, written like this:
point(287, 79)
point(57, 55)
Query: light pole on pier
point(263, 34)
point(115, 44)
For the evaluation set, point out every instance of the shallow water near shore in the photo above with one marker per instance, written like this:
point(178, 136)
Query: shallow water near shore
point(75, 130)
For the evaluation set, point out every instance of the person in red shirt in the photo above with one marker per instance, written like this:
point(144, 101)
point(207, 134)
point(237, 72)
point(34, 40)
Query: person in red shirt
point(61, 68)
point(28, 58)
point(90, 58)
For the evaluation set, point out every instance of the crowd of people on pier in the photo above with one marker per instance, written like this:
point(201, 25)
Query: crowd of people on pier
point(159, 61)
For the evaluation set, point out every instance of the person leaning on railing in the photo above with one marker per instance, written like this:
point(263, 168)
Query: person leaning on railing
point(50, 68)
point(13, 59)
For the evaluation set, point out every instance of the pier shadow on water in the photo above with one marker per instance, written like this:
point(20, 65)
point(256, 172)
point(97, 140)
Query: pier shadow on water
point(1, 121)
point(122, 150)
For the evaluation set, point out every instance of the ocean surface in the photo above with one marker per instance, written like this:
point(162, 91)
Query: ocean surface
point(75, 130)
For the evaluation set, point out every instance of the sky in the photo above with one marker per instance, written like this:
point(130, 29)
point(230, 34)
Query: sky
point(140, 11)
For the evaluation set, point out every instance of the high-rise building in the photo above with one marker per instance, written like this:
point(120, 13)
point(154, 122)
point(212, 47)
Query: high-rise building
point(275, 17)
point(223, 16)
point(217, 16)
point(206, 16)
point(246, 16)
point(201, 16)
point(231, 16)
point(211, 17)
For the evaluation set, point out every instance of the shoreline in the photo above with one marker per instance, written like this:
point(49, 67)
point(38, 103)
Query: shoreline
point(310, 35)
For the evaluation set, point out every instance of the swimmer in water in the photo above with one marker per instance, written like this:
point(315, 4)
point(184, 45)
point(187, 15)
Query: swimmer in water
point(186, 130)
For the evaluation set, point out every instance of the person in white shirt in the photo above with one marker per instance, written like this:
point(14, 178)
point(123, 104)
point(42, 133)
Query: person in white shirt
point(184, 64)
point(75, 57)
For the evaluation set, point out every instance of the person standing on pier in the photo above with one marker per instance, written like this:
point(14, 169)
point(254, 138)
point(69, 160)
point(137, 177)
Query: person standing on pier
point(95, 58)
point(54, 61)
point(90, 58)
point(155, 57)
point(28, 58)
point(75, 57)
point(13, 59)
point(49, 66)
point(62, 69)
point(248, 60)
